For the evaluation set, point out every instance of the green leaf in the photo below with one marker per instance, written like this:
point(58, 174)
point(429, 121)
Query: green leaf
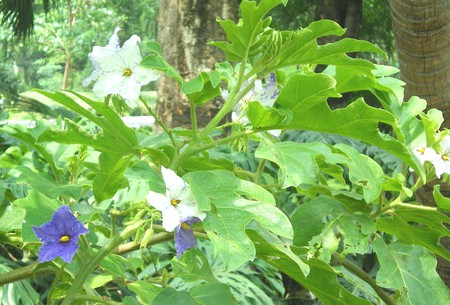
point(287, 155)
point(173, 297)
point(260, 116)
point(357, 230)
point(45, 184)
point(306, 96)
point(129, 301)
point(114, 264)
point(203, 88)
point(120, 136)
point(19, 292)
point(146, 291)
point(307, 219)
point(156, 61)
point(442, 202)
point(213, 293)
point(364, 172)
point(12, 219)
point(193, 266)
point(99, 280)
point(142, 178)
point(247, 37)
point(110, 177)
point(287, 48)
point(236, 203)
point(75, 134)
point(411, 271)
point(30, 137)
point(321, 279)
point(39, 209)
point(415, 225)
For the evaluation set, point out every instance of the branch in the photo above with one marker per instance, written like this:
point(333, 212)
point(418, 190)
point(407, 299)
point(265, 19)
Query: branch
point(364, 276)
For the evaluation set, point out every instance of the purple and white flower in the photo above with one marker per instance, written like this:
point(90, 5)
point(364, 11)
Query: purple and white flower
point(178, 208)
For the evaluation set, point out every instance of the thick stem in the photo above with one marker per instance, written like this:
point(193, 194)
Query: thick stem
point(24, 273)
point(364, 276)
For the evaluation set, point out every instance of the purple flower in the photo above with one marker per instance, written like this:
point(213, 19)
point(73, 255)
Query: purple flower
point(184, 236)
point(59, 236)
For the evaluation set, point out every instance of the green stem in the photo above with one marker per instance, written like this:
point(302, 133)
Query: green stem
point(55, 283)
point(260, 170)
point(160, 123)
point(193, 150)
point(399, 200)
point(235, 96)
point(24, 273)
point(156, 239)
point(91, 298)
point(193, 121)
point(364, 276)
point(90, 265)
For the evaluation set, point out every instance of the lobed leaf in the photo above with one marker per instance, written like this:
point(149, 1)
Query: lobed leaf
point(411, 270)
point(234, 204)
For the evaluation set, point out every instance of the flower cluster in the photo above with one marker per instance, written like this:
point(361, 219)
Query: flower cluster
point(59, 236)
point(440, 161)
point(117, 70)
point(178, 208)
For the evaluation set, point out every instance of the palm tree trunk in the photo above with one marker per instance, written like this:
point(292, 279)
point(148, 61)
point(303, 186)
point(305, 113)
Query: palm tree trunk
point(421, 30)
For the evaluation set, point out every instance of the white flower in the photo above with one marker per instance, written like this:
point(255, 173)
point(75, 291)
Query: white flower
point(424, 153)
point(117, 70)
point(177, 204)
point(442, 160)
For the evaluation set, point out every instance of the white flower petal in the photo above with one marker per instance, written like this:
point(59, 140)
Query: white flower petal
point(158, 201)
point(114, 41)
point(190, 209)
point(129, 89)
point(144, 76)
point(171, 218)
point(110, 83)
point(175, 185)
point(424, 153)
point(441, 166)
point(130, 52)
point(108, 60)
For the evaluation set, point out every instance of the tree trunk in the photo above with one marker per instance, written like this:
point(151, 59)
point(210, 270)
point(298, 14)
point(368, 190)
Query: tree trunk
point(421, 30)
point(185, 26)
point(348, 13)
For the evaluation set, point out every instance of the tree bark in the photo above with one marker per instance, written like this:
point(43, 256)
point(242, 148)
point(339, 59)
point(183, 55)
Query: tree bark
point(421, 30)
point(185, 26)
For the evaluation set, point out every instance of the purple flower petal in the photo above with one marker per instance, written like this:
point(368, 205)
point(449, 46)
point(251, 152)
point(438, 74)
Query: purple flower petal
point(63, 225)
point(184, 236)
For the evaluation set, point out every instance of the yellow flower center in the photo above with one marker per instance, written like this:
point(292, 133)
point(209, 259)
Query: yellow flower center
point(421, 150)
point(126, 72)
point(184, 225)
point(444, 157)
point(64, 238)
point(174, 202)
